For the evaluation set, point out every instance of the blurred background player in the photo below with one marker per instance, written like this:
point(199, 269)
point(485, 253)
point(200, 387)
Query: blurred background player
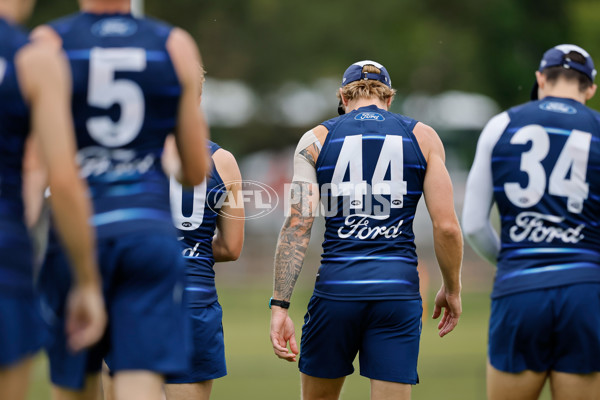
point(538, 162)
point(210, 221)
point(135, 80)
point(369, 168)
point(34, 96)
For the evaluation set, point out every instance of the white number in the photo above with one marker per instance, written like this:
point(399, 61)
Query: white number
point(568, 176)
point(573, 158)
point(351, 157)
point(531, 160)
point(104, 91)
point(2, 69)
point(195, 220)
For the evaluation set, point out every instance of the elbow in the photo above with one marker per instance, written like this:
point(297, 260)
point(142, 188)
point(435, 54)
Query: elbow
point(450, 230)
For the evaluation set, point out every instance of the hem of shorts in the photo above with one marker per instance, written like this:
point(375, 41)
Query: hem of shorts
point(11, 361)
point(351, 297)
point(542, 287)
point(407, 381)
point(324, 376)
point(196, 379)
point(509, 370)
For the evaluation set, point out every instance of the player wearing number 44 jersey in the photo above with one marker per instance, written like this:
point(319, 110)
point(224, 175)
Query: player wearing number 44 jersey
point(134, 82)
point(539, 163)
point(368, 168)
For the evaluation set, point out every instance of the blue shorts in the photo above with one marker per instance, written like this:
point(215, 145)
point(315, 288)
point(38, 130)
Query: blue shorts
point(385, 333)
point(22, 330)
point(208, 357)
point(143, 280)
point(554, 329)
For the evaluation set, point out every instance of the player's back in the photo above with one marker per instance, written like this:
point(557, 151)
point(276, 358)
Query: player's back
point(195, 213)
point(547, 188)
point(370, 173)
point(125, 101)
point(15, 249)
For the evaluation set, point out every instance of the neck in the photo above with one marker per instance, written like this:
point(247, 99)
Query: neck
point(358, 103)
point(106, 6)
point(568, 90)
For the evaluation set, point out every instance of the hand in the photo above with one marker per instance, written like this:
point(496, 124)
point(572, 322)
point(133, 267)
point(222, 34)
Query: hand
point(452, 310)
point(282, 332)
point(86, 317)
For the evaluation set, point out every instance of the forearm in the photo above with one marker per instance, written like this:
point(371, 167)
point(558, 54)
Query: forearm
point(448, 245)
point(71, 212)
point(289, 256)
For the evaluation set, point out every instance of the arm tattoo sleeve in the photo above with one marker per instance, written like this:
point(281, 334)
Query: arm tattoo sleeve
point(293, 241)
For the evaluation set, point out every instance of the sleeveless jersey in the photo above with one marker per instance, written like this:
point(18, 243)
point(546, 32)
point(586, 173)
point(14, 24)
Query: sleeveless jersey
point(125, 100)
point(370, 173)
point(16, 257)
point(195, 214)
point(545, 168)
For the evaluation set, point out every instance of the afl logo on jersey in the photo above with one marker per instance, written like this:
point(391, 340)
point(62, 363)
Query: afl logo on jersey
point(116, 26)
point(557, 107)
point(186, 224)
point(369, 116)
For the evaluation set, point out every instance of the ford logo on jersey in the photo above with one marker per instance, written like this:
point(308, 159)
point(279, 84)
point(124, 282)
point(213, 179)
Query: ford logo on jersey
point(369, 116)
point(557, 107)
point(114, 27)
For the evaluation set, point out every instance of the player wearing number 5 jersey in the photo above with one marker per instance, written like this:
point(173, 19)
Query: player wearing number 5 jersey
point(210, 222)
point(134, 82)
point(368, 168)
point(539, 163)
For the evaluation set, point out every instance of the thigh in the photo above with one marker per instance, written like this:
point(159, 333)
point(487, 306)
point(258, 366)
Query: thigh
point(520, 332)
point(138, 385)
point(314, 388)
point(390, 344)
point(577, 342)
point(186, 391)
point(525, 385)
point(149, 328)
point(331, 337)
point(384, 390)
point(208, 354)
point(14, 380)
point(575, 386)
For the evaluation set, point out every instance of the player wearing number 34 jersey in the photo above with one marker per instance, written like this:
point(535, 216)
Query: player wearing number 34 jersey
point(539, 163)
point(134, 82)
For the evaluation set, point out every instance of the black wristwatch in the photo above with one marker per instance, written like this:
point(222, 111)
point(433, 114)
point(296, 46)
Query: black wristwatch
point(279, 303)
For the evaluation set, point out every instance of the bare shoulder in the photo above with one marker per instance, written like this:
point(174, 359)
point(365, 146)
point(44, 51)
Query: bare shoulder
point(320, 133)
point(47, 35)
point(36, 63)
point(226, 166)
point(184, 54)
point(428, 139)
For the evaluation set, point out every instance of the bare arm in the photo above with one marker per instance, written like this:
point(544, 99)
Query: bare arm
point(46, 87)
point(447, 236)
point(293, 240)
point(229, 239)
point(191, 131)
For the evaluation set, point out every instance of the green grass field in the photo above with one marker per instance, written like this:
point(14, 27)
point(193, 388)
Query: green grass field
point(449, 368)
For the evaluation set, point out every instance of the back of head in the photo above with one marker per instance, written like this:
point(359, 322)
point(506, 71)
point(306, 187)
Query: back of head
point(567, 62)
point(367, 80)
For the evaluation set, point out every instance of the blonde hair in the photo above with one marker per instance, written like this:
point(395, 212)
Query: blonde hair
point(367, 88)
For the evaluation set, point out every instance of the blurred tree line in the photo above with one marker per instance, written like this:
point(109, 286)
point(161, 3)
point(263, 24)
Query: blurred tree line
point(428, 46)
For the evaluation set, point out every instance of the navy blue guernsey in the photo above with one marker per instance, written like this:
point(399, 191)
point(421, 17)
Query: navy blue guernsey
point(370, 173)
point(546, 174)
point(125, 101)
point(16, 258)
point(195, 214)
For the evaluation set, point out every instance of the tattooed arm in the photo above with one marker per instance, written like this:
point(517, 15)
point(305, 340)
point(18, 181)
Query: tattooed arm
point(293, 240)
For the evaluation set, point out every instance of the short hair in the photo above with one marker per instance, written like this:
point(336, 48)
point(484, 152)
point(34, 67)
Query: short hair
point(367, 89)
point(552, 74)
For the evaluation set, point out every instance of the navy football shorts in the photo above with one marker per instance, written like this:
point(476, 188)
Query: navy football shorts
point(208, 356)
point(385, 334)
point(554, 329)
point(143, 279)
point(22, 330)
